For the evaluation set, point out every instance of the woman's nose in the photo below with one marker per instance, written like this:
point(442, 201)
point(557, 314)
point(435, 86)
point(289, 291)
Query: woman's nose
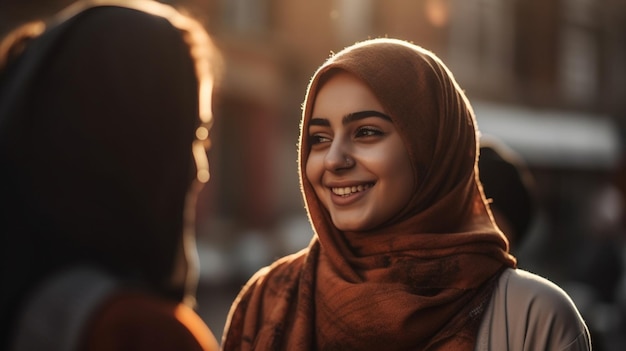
point(338, 157)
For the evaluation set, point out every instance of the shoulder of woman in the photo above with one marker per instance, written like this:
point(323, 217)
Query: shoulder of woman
point(280, 272)
point(265, 288)
point(536, 311)
point(133, 319)
point(275, 277)
point(536, 292)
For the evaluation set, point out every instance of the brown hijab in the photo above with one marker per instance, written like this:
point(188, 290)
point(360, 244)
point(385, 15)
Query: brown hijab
point(421, 281)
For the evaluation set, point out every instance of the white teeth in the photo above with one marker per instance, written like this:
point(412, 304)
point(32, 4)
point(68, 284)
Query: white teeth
point(345, 191)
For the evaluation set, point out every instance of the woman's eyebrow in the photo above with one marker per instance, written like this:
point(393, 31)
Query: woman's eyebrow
point(317, 121)
point(350, 117)
point(355, 116)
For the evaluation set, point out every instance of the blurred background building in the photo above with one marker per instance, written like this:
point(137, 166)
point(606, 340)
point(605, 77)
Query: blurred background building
point(546, 77)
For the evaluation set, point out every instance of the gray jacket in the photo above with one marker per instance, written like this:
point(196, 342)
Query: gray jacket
point(530, 313)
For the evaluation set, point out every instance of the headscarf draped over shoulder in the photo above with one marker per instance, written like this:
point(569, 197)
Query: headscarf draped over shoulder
point(419, 281)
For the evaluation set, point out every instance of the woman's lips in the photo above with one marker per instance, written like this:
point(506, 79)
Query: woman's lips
point(346, 195)
point(349, 190)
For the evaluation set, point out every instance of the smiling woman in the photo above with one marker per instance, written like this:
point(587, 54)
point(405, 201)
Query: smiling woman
point(406, 255)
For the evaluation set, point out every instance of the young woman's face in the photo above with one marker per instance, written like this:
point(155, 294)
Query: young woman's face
point(358, 164)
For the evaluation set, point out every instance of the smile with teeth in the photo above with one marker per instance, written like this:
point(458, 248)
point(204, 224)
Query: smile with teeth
point(349, 190)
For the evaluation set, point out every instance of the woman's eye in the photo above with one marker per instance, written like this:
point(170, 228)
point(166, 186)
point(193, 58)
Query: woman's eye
point(317, 139)
point(368, 131)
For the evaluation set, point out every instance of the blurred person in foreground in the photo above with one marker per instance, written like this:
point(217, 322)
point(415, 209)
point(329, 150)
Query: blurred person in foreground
point(406, 254)
point(103, 110)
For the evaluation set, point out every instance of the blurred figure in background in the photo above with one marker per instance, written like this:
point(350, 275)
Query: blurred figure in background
point(600, 271)
point(103, 110)
point(602, 265)
point(508, 183)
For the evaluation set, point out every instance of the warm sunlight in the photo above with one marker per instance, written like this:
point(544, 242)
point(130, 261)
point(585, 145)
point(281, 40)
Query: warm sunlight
point(202, 162)
point(438, 12)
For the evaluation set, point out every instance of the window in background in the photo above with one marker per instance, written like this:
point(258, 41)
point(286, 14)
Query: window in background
point(244, 17)
point(482, 37)
point(352, 19)
point(578, 73)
